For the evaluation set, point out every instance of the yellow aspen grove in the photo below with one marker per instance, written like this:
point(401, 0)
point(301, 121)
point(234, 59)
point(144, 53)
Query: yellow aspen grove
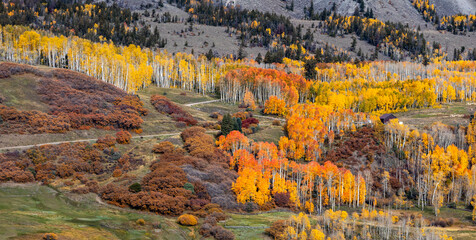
point(371, 87)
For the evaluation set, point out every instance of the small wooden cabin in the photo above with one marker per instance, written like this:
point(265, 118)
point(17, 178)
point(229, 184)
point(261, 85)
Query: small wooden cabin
point(387, 117)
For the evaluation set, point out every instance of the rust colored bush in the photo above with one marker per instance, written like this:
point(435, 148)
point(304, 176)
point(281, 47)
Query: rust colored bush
point(167, 179)
point(191, 132)
point(140, 222)
point(64, 171)
point(123, 137)
point(117, 173)
point(277, 229)
point(242, 115)
point(394, 183)
point(131, 102)
point(443, 222)
point(163, 147)
point(30, 122)
point(187, 220)
point(200, 213)
point(211, 125)
point(201, 191)
point(267, 206)
point(88, 102)
point(200, 145)
point(50, 236)
point(164, 105)
point(105, 142)
point(276, 123)
point(9, 171)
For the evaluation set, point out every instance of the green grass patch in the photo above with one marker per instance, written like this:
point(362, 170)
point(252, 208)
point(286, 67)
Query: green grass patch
point(268, 134)
point(175, 94)
point(20, 92)
point(29, 211)
point(259, 222)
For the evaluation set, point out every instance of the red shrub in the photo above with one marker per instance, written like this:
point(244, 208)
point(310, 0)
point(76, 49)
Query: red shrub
point(281, 199)
point(164, 105)
point(249, 121)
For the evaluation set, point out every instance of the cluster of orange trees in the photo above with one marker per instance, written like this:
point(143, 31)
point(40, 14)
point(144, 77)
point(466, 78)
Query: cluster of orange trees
point(309, 126)
point(265, 174)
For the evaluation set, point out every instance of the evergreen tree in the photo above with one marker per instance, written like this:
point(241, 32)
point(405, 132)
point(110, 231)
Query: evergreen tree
point(241, 51)
point(310, 68)
point(209, 55)
point(353, 44)
point(226, 124)
point(311, 10)
point(259, 58)
point(237, 124)
point(268, 58)
point(356, 12)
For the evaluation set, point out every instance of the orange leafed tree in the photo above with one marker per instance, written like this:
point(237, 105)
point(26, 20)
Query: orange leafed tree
point(274, 105)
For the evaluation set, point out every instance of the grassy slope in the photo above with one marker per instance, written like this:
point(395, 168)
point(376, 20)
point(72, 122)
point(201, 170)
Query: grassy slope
point(20, 93)
point(29, 211)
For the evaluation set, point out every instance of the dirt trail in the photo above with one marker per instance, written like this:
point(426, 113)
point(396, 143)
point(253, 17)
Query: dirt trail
point(197, 103)
point(82, 140)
